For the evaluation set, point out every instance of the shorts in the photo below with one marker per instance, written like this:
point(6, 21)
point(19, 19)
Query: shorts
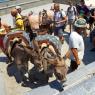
point(58, 31)
point(73, 65)
point(71, 21)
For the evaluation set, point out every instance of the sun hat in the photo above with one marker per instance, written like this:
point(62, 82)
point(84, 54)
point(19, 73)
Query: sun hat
point(81, 23)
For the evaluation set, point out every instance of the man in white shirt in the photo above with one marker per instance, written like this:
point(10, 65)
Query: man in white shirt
point(76, 44)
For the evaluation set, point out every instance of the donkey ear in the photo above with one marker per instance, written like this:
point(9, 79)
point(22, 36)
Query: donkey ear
point(35, 43)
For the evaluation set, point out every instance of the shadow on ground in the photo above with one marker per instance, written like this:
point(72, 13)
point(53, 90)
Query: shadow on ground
point(89, 56)
point(36, 79)
point(13, 71)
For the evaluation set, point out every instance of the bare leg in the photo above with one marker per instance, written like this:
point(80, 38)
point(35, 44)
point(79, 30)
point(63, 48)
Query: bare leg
point(70, 28)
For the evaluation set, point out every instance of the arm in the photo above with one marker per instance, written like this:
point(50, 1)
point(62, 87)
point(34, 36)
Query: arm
point(7, 28)
point(64, 18)
point(75, 53)
point(67, 54)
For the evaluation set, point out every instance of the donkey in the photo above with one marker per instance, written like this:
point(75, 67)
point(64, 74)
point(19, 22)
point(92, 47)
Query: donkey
point(54, 62)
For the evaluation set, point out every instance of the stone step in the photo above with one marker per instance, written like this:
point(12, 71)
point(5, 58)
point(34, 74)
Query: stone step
point(73, 79)
point(86, 87)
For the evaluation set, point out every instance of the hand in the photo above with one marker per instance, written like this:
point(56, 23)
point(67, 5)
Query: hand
point(78, 62)
point(57, 22)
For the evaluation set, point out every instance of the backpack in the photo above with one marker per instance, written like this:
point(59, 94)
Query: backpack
point(73, 10)
point(60, 12)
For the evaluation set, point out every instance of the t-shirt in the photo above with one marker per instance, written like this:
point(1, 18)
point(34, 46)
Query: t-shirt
point(58, 16)
point(19, 22)
point(76, 41)
point(83, 10)
point(71, 12)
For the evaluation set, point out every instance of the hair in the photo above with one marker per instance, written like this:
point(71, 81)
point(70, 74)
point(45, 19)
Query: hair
point(56, 4)
point(82, 1)
point(77, 28)
point(70, 2)
point(43, 27)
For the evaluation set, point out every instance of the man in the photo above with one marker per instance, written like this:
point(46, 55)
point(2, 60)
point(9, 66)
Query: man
point(19, 9)
point(71, 14)
point(92, 39)
point(83, 10)
point(76, 44)
point(18, 19)
point(92, 19)
point(34, 21)
point(59, 21)
point(4, 29)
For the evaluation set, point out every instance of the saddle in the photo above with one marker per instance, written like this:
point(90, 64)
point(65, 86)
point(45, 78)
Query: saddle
point(11, 36)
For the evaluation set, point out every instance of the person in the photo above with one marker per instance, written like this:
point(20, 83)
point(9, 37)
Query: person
point(83, 10)
point(59, 21)
point(92, 39)
point(34, 21)
point(4, 29)
point(92, 19)
point(18, 19)
point(76, 44)
point(71, 14)
point(19, 9)
point(30, 13)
